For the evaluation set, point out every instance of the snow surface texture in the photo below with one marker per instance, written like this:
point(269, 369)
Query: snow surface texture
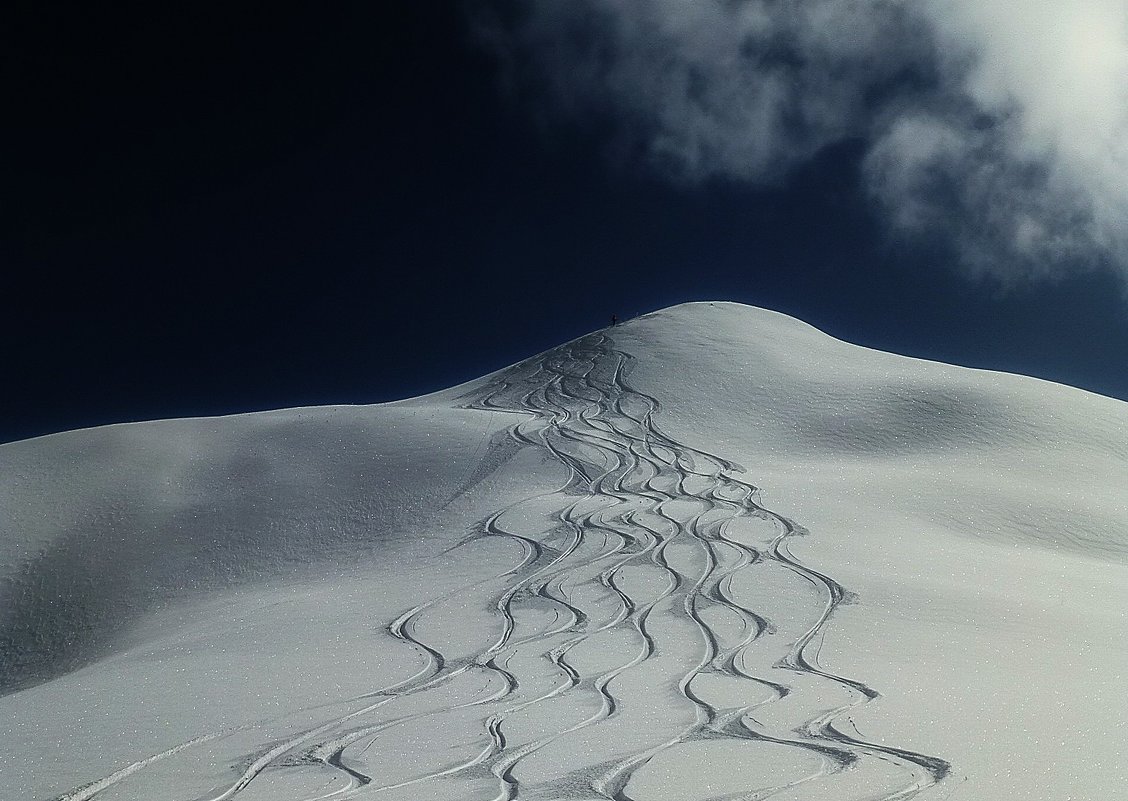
point(708, 554)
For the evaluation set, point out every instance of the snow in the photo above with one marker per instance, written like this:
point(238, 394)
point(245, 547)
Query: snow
point(708, 553)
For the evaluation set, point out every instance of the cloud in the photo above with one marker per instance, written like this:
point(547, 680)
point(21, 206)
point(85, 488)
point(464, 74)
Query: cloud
point(998, 128)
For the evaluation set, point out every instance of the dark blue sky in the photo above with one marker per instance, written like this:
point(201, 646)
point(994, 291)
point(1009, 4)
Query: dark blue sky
point(213, 212)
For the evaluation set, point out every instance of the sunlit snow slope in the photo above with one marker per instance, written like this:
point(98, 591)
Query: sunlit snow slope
point(711, 553)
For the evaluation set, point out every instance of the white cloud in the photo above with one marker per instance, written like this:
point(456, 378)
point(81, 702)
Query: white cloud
point(999, 127)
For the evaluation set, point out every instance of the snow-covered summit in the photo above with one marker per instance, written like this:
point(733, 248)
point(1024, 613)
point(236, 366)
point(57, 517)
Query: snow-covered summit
point(710, 552)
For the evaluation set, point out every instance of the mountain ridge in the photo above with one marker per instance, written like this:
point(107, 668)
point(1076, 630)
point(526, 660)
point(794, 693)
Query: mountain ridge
point(746, 464)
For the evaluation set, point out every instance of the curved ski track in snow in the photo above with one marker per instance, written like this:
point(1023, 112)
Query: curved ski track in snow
point(646, 535)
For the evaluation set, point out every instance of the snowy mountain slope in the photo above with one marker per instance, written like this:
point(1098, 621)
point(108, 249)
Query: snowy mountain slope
point(710, 553)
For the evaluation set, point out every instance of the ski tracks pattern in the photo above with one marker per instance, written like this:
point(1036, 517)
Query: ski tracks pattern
point(655, 607)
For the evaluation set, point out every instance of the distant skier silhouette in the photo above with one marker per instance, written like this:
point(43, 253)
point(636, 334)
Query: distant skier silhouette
point(614, 320)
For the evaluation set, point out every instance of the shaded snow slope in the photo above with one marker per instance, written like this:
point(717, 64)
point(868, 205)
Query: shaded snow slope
point(710, 553)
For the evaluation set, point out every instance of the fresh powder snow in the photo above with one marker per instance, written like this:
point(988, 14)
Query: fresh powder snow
point(710, 553)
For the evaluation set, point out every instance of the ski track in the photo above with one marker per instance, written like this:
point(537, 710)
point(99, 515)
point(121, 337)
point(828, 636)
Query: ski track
point(633, 492)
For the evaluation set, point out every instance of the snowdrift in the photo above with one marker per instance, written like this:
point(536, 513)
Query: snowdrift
point(709, 553)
